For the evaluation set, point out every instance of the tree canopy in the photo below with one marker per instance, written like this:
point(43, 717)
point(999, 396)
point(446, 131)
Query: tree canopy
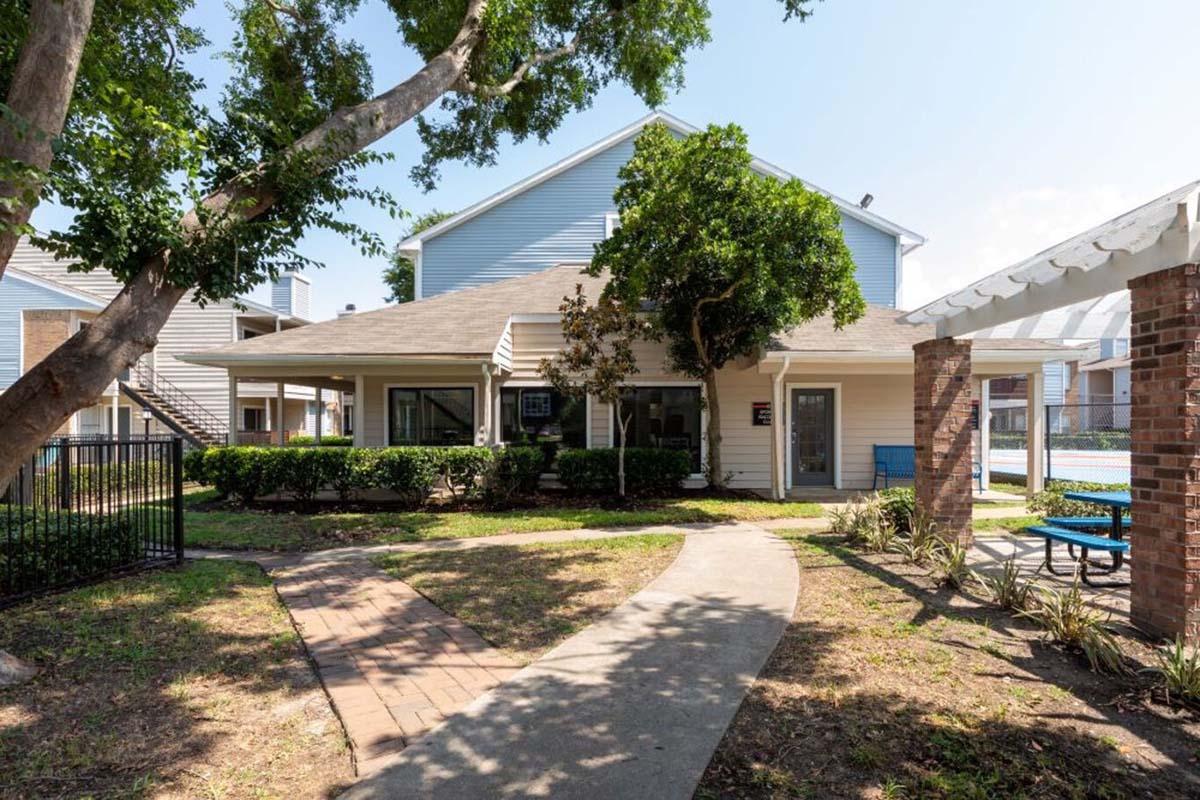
point(724, 257)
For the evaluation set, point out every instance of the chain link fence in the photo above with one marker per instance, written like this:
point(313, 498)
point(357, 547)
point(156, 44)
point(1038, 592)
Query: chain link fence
point(1083, 442)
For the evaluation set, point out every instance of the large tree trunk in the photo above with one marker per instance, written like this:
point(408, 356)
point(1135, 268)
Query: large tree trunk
point(716, 477)
point(38, 99)
point(75, 374)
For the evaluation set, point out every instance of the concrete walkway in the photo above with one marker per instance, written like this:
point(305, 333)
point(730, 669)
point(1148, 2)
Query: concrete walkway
point(631, 707)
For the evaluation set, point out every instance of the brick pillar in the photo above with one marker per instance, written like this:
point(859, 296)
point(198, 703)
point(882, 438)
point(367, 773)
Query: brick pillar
point(1165, 397)
point(942, 433)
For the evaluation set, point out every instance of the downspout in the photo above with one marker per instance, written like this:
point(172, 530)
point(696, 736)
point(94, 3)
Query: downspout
point(778, 469)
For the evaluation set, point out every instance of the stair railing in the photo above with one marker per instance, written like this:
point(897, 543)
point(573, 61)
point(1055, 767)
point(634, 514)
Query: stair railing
point(179, 401)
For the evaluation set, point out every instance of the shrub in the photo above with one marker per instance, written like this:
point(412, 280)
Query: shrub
point(408, 471)
point(922, 540)
point(193, 465)
point(328, 440)
point(949, 562)
point(1050, 501)
point(462, 469)
point(899, 506)
point(1067, 619)
point(1007, 589)
point(304, 471)
point(1178, 669)
point(648, 470)
point(515, 472)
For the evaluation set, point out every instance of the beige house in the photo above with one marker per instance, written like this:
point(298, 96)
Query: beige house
point(461, 368)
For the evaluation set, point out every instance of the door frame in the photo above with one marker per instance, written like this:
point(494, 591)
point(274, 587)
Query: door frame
point(836, 386)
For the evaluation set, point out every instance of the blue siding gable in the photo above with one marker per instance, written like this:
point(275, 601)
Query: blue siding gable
point(15, 295)
point(560, 219)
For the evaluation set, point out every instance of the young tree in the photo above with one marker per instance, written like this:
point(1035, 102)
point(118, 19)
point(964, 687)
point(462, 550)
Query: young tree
point(724, 256)
point(281, 155)
point(401, 275)
point(597, 357)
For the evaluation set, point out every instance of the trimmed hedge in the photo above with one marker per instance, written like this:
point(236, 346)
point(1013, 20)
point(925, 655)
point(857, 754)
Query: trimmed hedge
point(648, 470)
point(248, 472)
point(515, 472)
point(328, 440)
point(1092, 440)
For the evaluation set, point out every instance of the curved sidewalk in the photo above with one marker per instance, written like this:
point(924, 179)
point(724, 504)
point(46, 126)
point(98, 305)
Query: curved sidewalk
point(631, 707)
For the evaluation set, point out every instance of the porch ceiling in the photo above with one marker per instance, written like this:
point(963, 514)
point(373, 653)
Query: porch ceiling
point(1161, 234)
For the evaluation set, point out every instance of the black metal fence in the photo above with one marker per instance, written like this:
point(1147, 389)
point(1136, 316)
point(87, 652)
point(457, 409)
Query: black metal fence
point(86, 506)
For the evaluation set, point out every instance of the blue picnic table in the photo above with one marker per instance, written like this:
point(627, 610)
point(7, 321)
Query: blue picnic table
point(1072, 532)
point(1117, 503)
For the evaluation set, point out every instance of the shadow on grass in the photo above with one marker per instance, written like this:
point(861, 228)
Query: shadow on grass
point(136, 678)
point(527, 599)
point(260, 529)
point(925, 746)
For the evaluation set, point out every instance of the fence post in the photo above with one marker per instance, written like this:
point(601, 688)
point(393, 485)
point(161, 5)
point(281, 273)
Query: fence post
point(64, 473)
point(177, 494)
point(1046, 478)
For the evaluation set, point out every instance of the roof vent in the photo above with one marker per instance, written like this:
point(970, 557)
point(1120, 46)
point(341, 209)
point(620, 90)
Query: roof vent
point(866, 201)
point(347, 311)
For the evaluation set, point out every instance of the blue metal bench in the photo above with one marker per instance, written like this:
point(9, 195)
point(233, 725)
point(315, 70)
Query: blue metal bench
point(900, 461)
point(1085, 523)
point(1085, 542)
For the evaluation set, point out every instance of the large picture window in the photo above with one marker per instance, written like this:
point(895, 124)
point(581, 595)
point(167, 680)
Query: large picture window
point(439, 417)
point(542, 417)
point(664, 416)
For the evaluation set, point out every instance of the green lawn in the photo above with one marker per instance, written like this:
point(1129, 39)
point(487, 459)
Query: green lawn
point(267, 530)
point(526, 599)
point(180, 682)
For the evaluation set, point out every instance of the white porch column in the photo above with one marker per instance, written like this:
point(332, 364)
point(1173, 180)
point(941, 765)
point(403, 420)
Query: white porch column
point(360, 411)
point(985, 430)
point(486, 437)
point(233, 415)
point(317, 417)
point(1035, 432)
point(779, 433)
point(281, 433)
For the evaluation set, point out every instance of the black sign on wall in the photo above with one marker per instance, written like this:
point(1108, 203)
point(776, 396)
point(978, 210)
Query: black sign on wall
point(762, 413)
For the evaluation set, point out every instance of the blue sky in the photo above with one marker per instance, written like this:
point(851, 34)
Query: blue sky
point(995, 129)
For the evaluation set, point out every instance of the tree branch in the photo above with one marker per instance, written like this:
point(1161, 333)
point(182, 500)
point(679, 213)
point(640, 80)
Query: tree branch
point(287, 11)
point(467, 86)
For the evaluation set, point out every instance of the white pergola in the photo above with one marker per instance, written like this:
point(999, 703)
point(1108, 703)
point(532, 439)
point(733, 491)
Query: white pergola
point(1136, 270)
point(1056, 290)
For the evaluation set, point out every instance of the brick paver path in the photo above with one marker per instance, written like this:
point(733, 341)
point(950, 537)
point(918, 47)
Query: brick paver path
point(394, 664)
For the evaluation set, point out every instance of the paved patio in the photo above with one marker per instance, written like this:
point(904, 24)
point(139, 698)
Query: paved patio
point(991, 551)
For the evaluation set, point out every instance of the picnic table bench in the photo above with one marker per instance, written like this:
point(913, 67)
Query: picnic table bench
point(900, 461)
point(1085, 542)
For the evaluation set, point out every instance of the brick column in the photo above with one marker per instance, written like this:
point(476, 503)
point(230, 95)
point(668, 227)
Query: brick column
point(942, 433)
point(1165, 397)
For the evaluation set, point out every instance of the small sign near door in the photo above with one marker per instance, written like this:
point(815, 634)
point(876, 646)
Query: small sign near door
point(762, 413)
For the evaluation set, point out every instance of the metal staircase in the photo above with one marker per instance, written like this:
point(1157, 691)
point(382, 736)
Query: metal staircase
point(174, 407)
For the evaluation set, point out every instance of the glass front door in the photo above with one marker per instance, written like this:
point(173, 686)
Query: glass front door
point(812, 437)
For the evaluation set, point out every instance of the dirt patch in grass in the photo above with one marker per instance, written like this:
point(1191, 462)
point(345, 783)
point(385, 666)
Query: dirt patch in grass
point(223, 526)
point(187, 682)
point(528, 598)
point(884, 686)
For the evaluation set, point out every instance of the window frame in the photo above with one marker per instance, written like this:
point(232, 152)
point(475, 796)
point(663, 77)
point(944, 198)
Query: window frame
point(498, 427)
point(668, 384)
point(387, 409)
